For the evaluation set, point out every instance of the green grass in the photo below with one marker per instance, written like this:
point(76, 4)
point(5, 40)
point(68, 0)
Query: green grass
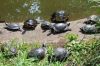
point(21, 59)
point(84, 53)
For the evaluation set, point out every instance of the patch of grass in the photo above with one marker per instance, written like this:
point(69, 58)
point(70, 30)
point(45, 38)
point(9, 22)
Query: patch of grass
point(85, 53)
point(71, 37)
point(21, 59)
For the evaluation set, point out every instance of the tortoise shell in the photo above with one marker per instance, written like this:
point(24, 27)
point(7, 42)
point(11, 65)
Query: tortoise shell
point(59, 17)
point(93, 19)
point(38, 53)
point(60, 27)
point(30, 24)
point(89, 29)
point(9, 52)
point(12, 26)
point(45, 26)
point(60, 54)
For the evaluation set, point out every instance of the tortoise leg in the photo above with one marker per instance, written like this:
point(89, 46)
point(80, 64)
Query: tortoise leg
point(50, 32)
point(68, 24)
point(67, 29)
point(81, 29)
point(44, 31)
point(23, 32)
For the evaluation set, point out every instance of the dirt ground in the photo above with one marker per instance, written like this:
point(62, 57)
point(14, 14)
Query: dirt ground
point(38, 35)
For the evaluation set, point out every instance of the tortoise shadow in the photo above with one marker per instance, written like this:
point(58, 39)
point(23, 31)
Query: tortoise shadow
point(53, 58)
point(25, 30)
point(89, 22)
point(56, 33)
point(10, 56)
point(89, 33)
point(43, 31)
point(1, 32)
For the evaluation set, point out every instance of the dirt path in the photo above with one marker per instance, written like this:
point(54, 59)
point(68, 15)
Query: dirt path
point(38, 36)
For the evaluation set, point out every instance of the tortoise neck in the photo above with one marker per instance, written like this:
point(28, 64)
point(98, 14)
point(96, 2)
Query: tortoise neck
point(6, 24)
point(43, 45)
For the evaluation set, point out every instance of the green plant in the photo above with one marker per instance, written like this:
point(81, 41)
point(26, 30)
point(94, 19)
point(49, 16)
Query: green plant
point(85, 53)
point(21, 58)
point(71, 37)
point(98, 23)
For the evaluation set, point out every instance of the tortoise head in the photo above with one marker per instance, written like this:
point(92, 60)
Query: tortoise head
point(6, 24)
point(44, 45)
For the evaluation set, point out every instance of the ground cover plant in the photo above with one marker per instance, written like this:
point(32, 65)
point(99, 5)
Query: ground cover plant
point(83, 53)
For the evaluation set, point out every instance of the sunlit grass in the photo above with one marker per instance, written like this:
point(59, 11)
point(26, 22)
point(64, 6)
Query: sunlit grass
point(85, 53)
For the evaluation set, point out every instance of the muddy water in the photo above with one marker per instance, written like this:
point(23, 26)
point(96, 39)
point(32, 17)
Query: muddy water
point(20, 10)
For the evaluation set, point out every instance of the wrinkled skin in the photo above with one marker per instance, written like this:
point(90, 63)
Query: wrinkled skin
point(59, 17)
point(60, 54)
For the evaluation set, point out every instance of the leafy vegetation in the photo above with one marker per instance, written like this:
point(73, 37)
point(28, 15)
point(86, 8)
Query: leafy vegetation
point(71, 36)
point(84, 53)
point(98, 23)
point(95, 1)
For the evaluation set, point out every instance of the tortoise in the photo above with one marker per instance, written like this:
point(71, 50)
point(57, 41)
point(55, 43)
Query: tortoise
point(89, 29)
point(37, 53)
point(59, 17)
point(12, 26)
point(9, 52)
point(59, 27)
point(93, 19)
point(59, 54)
point(30, 24)
point(45, 26)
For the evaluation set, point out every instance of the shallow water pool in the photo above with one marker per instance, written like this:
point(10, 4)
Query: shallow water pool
point(20, 10)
